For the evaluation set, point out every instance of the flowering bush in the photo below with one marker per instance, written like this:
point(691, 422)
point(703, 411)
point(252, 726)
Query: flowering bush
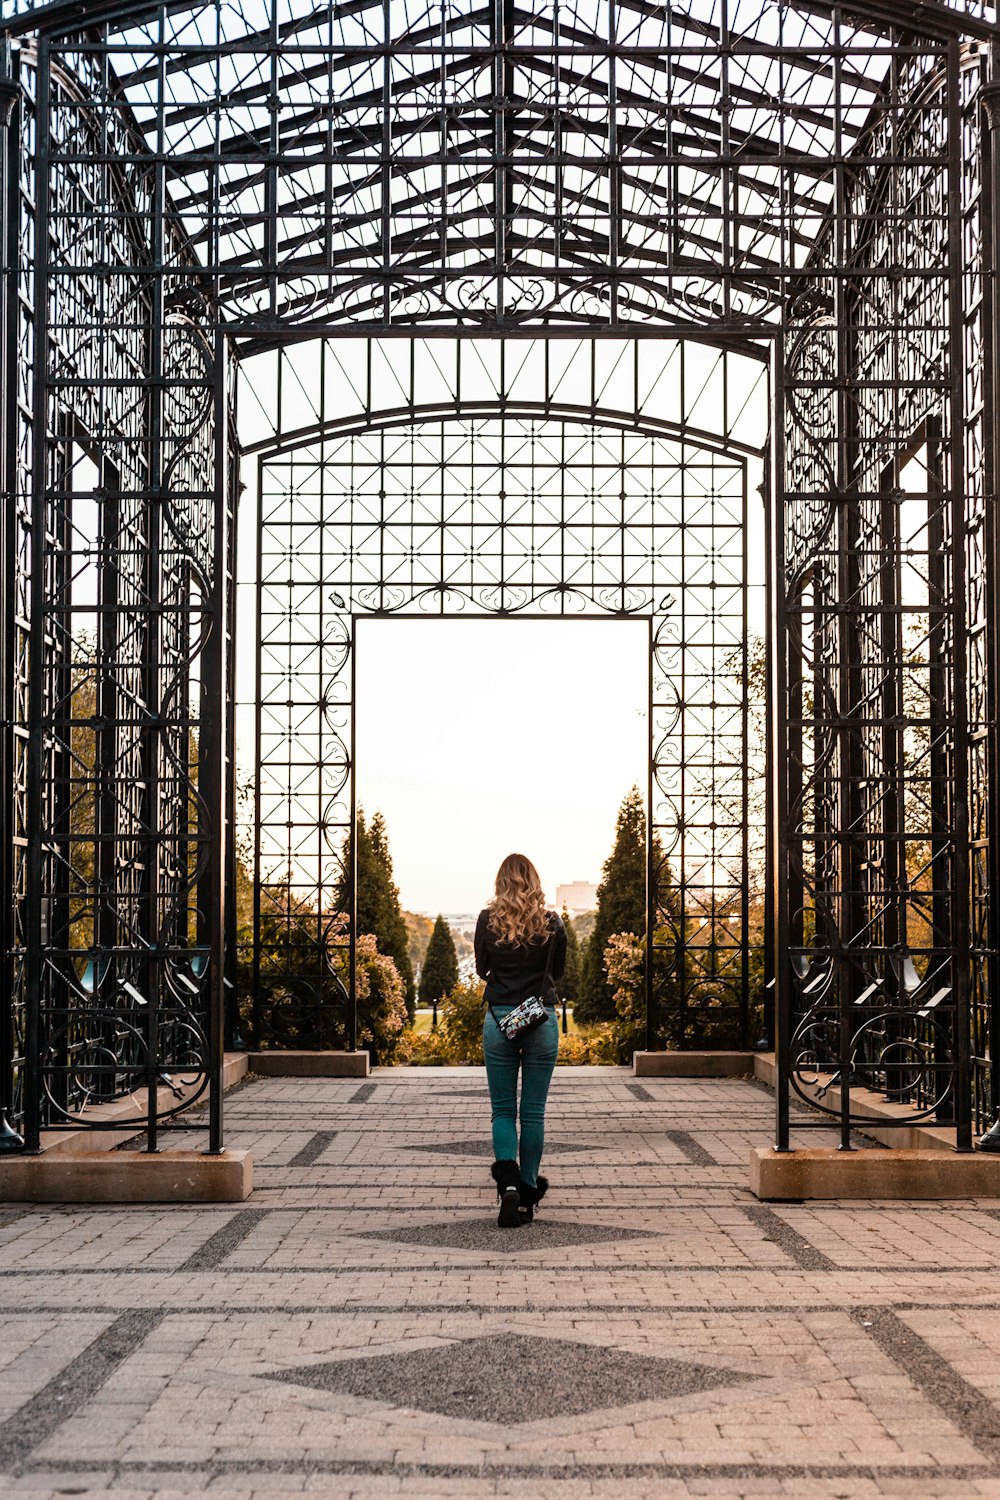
point(625, 963)
point(381, 1001)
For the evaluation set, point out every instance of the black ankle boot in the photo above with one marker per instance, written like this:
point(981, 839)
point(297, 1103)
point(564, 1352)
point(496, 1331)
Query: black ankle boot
point(508, 1181)
point(531, 1197)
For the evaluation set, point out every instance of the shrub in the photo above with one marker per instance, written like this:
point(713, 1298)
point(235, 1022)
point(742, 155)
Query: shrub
point(459, 1037)
point(461, 1022)
point(424, 1049)
point(584, 1047)
point(381, 1001)
point(625, 964)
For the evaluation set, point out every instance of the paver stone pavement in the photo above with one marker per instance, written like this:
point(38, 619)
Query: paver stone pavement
point(362, 1328)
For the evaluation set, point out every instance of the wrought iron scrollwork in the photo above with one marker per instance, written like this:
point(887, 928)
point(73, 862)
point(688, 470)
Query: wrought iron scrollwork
point(568, 190)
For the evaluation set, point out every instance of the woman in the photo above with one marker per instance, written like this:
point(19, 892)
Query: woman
point(520, 952)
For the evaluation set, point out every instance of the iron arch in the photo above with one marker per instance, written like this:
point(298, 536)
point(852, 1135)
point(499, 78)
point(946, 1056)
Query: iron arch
point(815, 185)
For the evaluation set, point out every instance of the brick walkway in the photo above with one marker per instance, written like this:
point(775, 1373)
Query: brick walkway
point(361, 1328)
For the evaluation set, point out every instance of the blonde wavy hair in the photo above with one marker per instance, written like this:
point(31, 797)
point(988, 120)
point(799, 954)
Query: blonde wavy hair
point(518, 915)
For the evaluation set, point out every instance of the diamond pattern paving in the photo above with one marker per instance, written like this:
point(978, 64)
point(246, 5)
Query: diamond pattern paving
point(443, 1094)
point(477, 1234)
point(360, 1329)
point(478, 1146)
point(512, 1377)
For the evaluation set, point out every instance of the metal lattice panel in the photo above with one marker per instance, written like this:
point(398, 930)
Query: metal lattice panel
point(191, 184)
point(114, 635)
point(602, 164)
point(886, 622)
point(494, 509)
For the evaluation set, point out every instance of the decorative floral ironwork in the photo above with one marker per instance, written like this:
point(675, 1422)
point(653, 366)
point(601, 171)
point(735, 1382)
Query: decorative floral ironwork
point(196, 185)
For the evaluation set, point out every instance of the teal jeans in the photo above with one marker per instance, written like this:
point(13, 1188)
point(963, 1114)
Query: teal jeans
point(535, 1057)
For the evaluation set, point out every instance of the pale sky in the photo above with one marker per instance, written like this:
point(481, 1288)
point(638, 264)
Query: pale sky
point(479, 737)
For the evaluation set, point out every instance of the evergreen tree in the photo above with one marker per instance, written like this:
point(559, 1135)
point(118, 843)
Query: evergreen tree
point(569, 984)
point(582, 1012)
point(367, 895)
point(621, 907)
point(439, 975)
point(394, 936)
point(379, 911)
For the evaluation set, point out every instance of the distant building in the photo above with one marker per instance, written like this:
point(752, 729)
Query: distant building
point(461, 921)
point(580, 895)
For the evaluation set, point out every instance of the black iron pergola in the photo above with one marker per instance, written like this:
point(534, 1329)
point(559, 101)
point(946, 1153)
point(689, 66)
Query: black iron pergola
point(606, 308)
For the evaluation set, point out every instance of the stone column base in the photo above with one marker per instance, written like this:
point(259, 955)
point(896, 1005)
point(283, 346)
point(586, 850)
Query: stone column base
point(692, 1064)
point(127, 1177)
point(310, 1064)
point(793, 1176)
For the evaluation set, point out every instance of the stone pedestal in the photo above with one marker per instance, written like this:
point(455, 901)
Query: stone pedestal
point(692, 1064)
point(310, 1064)
point(127, 1177)
point(825, 1172)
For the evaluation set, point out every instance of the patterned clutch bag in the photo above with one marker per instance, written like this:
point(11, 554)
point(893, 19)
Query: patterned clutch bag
point(527, 1017)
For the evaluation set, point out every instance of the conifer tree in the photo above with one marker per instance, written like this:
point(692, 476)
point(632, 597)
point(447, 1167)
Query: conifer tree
point(367, 895)
point(569, 984)
point(621, 907)
point(394, 937)
point(379, 911)
point(439, 975)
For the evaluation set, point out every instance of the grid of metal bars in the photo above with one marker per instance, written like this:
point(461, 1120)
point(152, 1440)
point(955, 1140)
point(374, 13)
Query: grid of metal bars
point(192, 184)
point(887, 564)
point(118, 508)
point(508, 481)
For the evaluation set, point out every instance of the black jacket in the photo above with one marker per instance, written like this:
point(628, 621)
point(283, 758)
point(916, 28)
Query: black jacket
point(514, 974)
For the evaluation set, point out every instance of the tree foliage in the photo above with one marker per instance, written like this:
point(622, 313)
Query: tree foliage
point(621, 908)
point(379, 911)
point(419, 929)
point(569, 984)
point(382, 1014)
point(583, 926)
point(304, 976)
point(439, 975)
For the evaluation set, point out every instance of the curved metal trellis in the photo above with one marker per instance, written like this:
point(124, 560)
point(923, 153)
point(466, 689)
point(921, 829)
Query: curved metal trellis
point(509, 513)
point(187, 186)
